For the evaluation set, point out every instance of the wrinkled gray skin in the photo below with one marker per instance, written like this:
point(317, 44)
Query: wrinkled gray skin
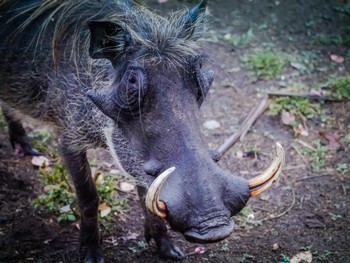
point(139, 98)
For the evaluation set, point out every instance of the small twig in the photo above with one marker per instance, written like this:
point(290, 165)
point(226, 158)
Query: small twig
point(262, 106)
point(246, 125)
point(310, 177)
point(305, 144)
point(325, 172)
point(284, 212)
point(12, 161)
point(263, 209)
point(301, 156)
point(307, 95)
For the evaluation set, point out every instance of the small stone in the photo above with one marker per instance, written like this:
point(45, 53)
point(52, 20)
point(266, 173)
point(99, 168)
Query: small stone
point(239, 154)
point(227, 36)
point(211, 124)
point(275, 247)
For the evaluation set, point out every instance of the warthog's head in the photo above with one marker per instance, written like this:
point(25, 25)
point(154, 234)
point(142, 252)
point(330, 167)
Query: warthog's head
point(159, 86)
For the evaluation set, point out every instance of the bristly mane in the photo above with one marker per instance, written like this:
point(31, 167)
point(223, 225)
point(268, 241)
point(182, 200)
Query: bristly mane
point(160, 36)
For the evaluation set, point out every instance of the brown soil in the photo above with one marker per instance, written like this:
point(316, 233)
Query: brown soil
point(304, 211)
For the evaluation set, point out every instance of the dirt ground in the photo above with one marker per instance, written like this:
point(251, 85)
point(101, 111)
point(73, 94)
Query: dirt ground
point(304, 212)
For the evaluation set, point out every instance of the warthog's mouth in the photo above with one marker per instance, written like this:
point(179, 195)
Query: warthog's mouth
point(210, 235)
point(256, 185)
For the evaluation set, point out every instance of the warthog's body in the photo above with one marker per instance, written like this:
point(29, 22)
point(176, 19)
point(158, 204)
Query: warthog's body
point(107, 73)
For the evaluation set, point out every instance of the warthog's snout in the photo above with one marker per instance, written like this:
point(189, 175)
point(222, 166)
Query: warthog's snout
point(213, 234)
point(200, 202)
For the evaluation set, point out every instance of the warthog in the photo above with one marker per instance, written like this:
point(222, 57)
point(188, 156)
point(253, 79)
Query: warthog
point(108, 73)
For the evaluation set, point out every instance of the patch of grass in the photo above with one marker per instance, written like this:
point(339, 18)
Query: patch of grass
point(301, 107)
point(299, 110)
point(225, 247)
point(245, 257)
point(304, 62)
point(345, 8)
point(334, 217)
point(245, 218)
point(340, 86)
point(265, 63)
point(285, 258)
point(255, 150)
point(327, 40)
point(324, 256)
point(240, 40)
point(316, 156)
point(106, 188)
point(141, 246)
point(59, 196)
point(342, 168)
point(44, 142)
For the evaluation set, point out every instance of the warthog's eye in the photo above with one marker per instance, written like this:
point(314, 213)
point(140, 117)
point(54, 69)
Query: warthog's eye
point(202, 78)
point(131, 90)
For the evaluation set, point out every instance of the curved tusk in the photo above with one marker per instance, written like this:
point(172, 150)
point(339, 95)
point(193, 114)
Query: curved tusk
point(153, 204)
point(269, 176)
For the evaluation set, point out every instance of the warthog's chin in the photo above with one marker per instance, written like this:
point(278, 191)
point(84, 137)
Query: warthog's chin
point(211, 235)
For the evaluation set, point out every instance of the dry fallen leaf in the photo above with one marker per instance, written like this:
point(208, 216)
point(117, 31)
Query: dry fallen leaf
point(40, 161)
point(304, 256)
point(211, 124)
point(297, 66)
point(126, 187)
point(301, 130)
point(102, 206)
point(337, 58)
point(98, 177)
point(105, 212)
point(104, 209)
point(332, 138)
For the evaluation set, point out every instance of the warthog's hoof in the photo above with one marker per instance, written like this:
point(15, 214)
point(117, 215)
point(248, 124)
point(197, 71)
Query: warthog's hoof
point(23, 146)
point(94, 255)
point(169, 250)
point(155, 228)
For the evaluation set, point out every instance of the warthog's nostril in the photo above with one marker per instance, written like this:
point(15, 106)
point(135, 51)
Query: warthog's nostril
point(152, 167)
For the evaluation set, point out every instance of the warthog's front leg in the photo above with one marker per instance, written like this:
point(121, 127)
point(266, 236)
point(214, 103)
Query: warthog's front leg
point(88, 199)
point(156, 228)
point(18, 135)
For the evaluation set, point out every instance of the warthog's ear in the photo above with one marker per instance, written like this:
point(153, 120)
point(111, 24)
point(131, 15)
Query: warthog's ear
point(192, 18)
point(108, 40)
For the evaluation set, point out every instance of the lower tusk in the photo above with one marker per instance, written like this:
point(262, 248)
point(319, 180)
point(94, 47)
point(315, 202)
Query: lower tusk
point(153, 204)
point(263, 181)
